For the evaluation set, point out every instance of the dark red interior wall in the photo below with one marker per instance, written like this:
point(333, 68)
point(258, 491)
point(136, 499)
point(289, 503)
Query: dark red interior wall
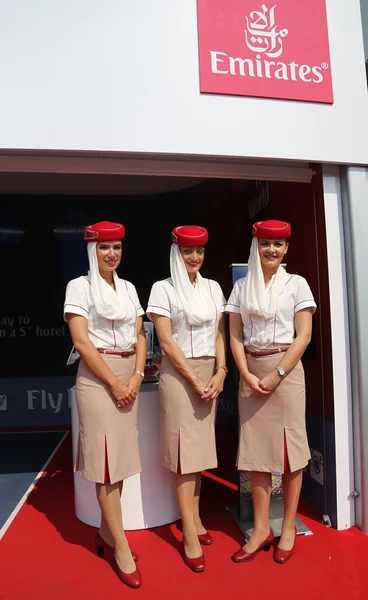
point(307, 256)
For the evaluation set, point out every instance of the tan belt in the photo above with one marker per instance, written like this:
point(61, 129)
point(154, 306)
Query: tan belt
point(123, 353)
point(265, 352)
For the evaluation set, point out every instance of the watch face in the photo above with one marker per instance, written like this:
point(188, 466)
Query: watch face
point(281, 371)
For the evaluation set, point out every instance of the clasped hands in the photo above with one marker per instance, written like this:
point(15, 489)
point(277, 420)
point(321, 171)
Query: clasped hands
point(210, 390)
point(264, 386)
point(126, 393)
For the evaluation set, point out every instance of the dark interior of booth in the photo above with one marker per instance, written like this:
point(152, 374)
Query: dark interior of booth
point(42, 248)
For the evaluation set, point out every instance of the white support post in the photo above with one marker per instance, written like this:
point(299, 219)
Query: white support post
point(354, 182)
point(340, 347)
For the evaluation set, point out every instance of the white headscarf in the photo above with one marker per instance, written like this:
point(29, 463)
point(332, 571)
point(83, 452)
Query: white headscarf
point(256, 298)
point(196, 301)
point(113, 305)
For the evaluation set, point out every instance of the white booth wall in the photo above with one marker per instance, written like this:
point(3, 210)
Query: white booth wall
point(124, 76)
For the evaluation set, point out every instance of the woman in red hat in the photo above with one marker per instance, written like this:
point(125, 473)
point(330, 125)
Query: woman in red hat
point(105, 321)
point(270, 328)
point(187, 312)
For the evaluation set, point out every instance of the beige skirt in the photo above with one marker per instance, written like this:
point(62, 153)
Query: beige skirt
point(187, 422)
point(106, 433)
point(267, 421)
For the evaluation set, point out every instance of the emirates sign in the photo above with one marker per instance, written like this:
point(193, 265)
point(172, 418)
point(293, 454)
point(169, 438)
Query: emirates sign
point(247, 48)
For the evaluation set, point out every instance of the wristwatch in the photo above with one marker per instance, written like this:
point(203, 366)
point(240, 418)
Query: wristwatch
point(140, 373)
point(222, 367)
point(281, 371)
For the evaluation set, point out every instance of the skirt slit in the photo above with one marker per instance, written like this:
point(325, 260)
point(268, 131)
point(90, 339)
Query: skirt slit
point(178, 468)
point(107, 474)
point(286, 457)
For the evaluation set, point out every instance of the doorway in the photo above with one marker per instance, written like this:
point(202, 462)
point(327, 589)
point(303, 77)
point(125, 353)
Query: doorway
point(47, 249)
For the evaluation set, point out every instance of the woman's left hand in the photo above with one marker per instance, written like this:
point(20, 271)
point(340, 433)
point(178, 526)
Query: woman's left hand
point(134, 383)
point(215, 386)
point(271, 381)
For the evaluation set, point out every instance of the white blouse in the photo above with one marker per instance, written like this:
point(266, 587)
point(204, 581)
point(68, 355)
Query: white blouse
point(261, 334)
point(194, 340)
point(103, 333)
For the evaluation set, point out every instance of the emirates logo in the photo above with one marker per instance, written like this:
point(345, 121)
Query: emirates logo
point(262, 35)
point(258, 48)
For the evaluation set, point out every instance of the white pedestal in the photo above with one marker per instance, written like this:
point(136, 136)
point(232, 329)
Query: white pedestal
point(148, 499)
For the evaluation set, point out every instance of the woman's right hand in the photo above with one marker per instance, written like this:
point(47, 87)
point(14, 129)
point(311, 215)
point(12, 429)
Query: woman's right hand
point(200, 386)
point(253, 382)
point(122, 394)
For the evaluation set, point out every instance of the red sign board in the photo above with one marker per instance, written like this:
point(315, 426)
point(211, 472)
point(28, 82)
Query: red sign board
point(271, 49)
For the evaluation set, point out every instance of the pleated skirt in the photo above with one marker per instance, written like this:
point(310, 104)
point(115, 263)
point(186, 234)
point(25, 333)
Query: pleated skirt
point(108, 438)
point(272, 428)
point(187, 422)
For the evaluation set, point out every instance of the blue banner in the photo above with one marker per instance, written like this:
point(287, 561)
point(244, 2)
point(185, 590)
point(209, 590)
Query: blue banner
point(35, 401)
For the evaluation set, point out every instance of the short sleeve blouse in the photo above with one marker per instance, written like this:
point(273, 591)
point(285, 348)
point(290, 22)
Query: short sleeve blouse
point(194, 340)
point(262, 334)
point(103, 333)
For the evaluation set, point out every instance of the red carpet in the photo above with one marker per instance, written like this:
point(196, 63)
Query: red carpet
point(47, 554)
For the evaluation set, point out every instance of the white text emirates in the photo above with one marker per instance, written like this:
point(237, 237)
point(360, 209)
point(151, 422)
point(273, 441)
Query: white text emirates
point(222, 64)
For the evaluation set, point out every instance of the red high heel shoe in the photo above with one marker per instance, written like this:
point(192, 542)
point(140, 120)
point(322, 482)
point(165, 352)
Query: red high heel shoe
point(101, 546)
point(243, 556)
point(196, 564)
point(282, 556)
point(133, 580)
point(205, 539)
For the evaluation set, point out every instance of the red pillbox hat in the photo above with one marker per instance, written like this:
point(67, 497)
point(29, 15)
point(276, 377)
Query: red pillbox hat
point(189, 235)
point(272, 230)
point(104, 231)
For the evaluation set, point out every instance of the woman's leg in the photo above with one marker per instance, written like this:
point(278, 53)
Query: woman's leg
point(104, 530)
point(185, 487)
point(291, 484)
point(261, 493)
point(108, 496)
point(197, 493)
